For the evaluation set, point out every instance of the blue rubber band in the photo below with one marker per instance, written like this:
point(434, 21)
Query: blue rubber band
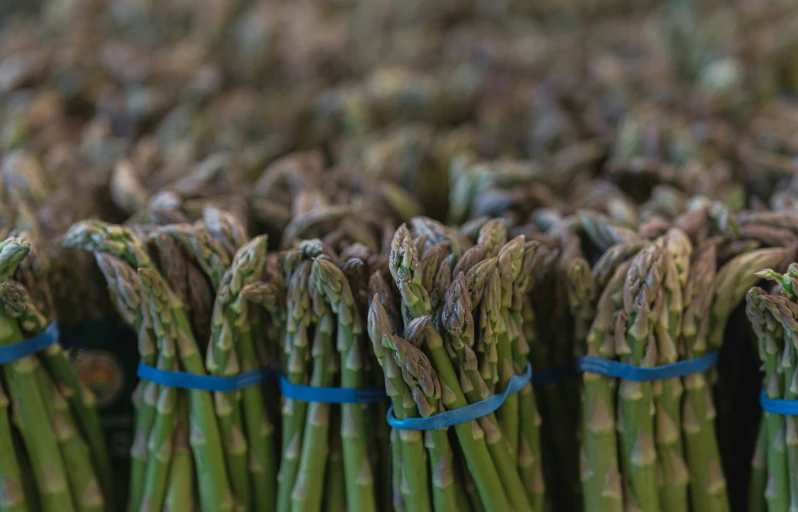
point(778, 405)
point(30, 346)
point(185, 380)
point(463, 414)
point(331, 395)
point(625, 371)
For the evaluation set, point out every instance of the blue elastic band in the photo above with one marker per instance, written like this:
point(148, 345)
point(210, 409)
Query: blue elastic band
point(185, 380)
point(331, 395)
point(30, 346)
point(778, 405)
point(625, 371)
point(463, 414)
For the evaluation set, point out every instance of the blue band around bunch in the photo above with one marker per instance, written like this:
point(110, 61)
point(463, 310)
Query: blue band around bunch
point(463, 414)
point(29, 346)
point(625, 371)
point(185, 380)
point(331, 395)
point(778, 405)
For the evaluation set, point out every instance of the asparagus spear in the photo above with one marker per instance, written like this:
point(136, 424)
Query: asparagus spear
point(510, 259)
point(529, 454)
point(637, 347)
point(222, 360)
point(309, 485)
point(668, 393)
point(334, 486)
point(12, 494)
point(707, 488)
point(180, 486)
point(759, 473)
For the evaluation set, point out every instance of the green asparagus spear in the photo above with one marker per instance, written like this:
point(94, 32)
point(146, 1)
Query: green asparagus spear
point(12, 494)
point(643, 281)
point(708, 485)
point(180, 486)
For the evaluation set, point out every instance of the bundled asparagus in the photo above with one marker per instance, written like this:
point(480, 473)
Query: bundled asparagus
point(459, 312)
point(53, 452)
point(774, 318)
point(335, 451)
point(230, 433)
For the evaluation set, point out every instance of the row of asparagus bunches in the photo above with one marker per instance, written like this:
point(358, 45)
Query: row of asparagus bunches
point(452, 315)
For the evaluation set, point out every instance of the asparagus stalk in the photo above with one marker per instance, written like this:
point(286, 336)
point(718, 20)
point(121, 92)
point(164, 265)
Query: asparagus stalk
point(334, 486)
point(309, 486)
point(668, 393)
point(12, 497)
point(529, 453)
point(759, 473)
point(707, 489)
point(510, 259)
point(180, 486)
point(637, 347)
point(222, 361)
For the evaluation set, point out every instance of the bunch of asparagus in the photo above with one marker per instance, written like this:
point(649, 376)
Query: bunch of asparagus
point(52, 449)
point(193, 448)
point(774, 319)
point(450, 333)
point(334, 457)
